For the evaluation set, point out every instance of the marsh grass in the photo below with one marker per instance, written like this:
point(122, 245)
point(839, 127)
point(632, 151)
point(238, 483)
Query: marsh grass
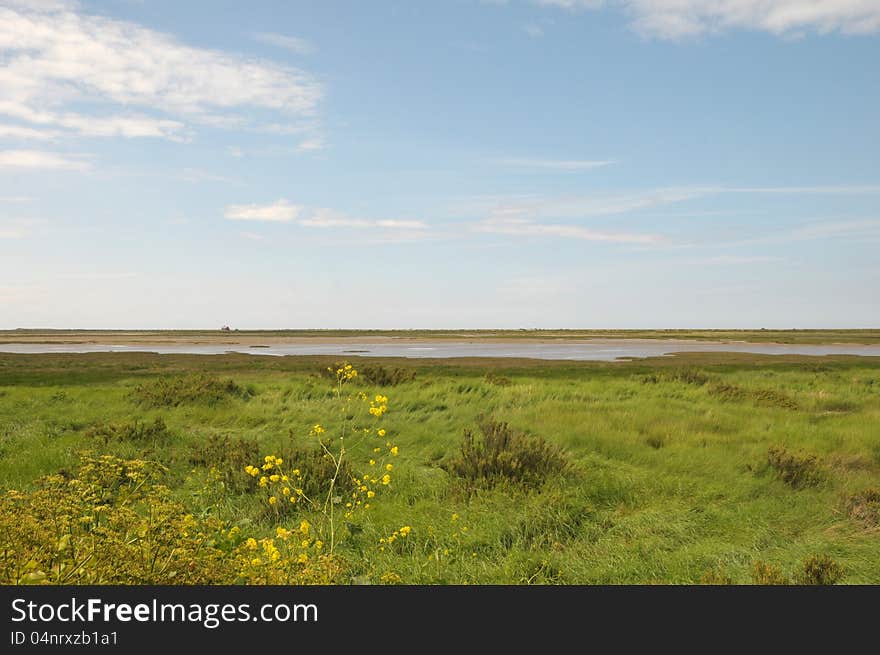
point(706, 499)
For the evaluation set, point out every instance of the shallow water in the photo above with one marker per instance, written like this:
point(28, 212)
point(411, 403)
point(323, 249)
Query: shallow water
point(604, 350)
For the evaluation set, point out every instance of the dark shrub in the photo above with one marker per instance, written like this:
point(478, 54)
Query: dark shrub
point(864, 507)
point(133, 432)
point(767, 574)
point(228, 457)
point(795, 470)
point(715, 577)
point(171, 392)
point(500, 454)
point(384, 376)
point(819, 570)
point(498, 380)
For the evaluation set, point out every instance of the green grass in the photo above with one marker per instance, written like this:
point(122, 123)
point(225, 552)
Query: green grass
point(668, 478)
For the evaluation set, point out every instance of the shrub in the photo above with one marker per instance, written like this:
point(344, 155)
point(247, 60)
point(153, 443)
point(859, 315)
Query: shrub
point(727, 392)
point(132, 432)
point(655, 441)
point(715, 577)
point(228, 457)
point(384, 376)
point(110, 523)
point(172, 392)
point(794, 470)
point(864, 506)
point(501, 454)
point(689, 376)
point(767, 574)
point(819, 570)
point(498, 380)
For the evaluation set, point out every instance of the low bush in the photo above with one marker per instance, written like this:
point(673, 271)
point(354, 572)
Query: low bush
point(767, 574)
point(797, 471)
point(386, 376)
point(501, 455)
point(131, 432)
point(819, 570)
point(864, 507)
point(227, 456)
point(199, 388)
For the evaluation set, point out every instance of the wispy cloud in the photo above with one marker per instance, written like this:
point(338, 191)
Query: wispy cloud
point(555, 164)
point(251, 236)
point(141, 82)
point(280, 211)
point(325, 218)
point(26, 133)
point(40, 159)
point(676, 19)
point(735, 260)
point(196, 176)
point(829, 229)
point(294, 44)
point(18, 228)
point(533, 30)
point(531, 229)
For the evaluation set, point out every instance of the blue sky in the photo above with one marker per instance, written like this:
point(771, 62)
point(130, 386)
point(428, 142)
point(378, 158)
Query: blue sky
point(428, 164)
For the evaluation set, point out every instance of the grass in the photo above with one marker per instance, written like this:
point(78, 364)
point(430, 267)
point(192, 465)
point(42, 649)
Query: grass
point(668, 478)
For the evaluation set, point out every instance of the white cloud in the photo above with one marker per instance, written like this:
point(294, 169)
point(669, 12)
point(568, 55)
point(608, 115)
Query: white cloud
point(555, 164)
point(675, 19)
point(141, 82)
point(531, 229)
point(195, 176)
point(19, 228)
point(252, 236)
point(21, 132)
point(280, 211)
point(839, 229)
point(741, 259)
point(533, 30)
point(294, 44)
point(310, 144)
point(40, 159)
point(326, 219)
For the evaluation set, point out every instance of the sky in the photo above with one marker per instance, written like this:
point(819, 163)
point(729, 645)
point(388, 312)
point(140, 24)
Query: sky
point(440, 164)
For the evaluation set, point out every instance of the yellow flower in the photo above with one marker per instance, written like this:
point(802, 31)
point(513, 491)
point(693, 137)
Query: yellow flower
point(386, 479)
point(405, 530)
point(304, 527)
point(256, 561)
point(267, 466)
point(454, 516)
point(284, 478)
point(272, 500)
point(389, 467)
point(394, 451)
point(381, 432)
point(376, 450)
point(303, 558)
point(282, 533)
point(286, 491)
point(274, 478)
point(371, 494)
point(264, 481)
point(319, 545)
point(251, 543)
point(296, 472)
point(372, 462)
point(278, 460)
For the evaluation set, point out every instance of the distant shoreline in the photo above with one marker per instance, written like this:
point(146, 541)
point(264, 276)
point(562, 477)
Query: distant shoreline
point(268, 338)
